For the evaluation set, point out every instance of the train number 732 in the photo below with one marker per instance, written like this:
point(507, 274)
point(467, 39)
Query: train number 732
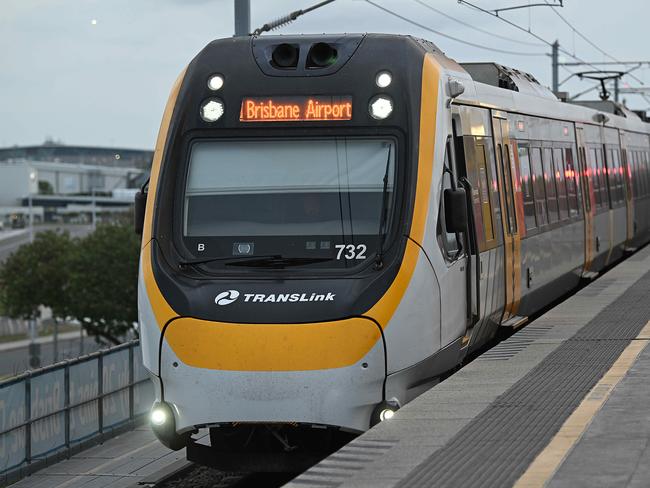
point(351, 251)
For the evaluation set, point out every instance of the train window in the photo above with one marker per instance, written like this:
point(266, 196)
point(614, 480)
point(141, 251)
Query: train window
point(631, 168)
point(620, 187)
point(558, 168)
point(538, 186)
point(549, 182)
point(610, 176)
point(484, 188)
point(645, 172)
point(592, 175)
point(472, 166)
point(290, 197)
point(571, 187)
point(449, 242)
point(527, 188)
point(640, 174)
point(495, 197)
point(602, 178)
point(504, 160)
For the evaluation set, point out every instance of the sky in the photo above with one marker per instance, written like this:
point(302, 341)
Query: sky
point(98, 72)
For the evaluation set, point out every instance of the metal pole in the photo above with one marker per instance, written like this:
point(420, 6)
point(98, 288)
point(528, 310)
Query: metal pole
point(242, 17)
point(28, 417)
point(100, 394)
point(31, 218)
point(66, 417)
point(94, 209)
point(555, 66)
point(56, 340)
point(616, 89)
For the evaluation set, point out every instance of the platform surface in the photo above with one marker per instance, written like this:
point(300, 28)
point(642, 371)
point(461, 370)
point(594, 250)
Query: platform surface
point(120, 462)
point(565, 402)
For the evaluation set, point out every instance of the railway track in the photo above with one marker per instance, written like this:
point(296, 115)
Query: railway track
point(184, 474)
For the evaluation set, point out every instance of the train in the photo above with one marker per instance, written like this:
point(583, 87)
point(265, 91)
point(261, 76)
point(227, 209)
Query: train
point(334, 222)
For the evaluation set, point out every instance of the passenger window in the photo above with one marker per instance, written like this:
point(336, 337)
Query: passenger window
point(484, 188)
point(631, 165)
point(602, 178)
point(614, 177)
point(592, 175)
point(449, 242)
point(638, 175)
point(493, 185)
point(506, 168)
point(538, 186)
point(558, 168)
point(549, 182)
point(620, 186)
point(527, 189)
point(643, 174)
point(571, 186)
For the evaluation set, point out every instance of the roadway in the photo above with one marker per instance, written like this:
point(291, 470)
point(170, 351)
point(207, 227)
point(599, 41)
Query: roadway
point(14, 356)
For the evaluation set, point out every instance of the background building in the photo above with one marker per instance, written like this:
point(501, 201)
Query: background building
point(68, 183)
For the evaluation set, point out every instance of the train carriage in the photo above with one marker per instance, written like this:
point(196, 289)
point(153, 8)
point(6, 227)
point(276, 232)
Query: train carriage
point(334, 222)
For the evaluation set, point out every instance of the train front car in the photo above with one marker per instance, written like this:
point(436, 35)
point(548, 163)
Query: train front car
point(285, 300)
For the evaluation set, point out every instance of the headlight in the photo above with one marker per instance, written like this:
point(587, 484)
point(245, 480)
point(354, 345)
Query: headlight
point(386, 414)
point(215, 82)
point(381, 107)
point(383, 79)
point(158, 416)
point(212, 110)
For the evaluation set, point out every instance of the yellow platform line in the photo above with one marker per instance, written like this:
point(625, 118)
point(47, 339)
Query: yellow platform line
point(551, 458)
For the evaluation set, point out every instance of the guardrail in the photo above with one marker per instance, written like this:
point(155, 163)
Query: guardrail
point(49, 413)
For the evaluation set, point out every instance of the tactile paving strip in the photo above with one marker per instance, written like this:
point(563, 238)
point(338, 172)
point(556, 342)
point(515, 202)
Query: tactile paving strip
point(497, 446)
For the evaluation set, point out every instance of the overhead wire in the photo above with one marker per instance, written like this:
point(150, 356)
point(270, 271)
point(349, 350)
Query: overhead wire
point(447, 36)
point(467, 24)
point(536, 36)
point(586, 39)
point(530, 32)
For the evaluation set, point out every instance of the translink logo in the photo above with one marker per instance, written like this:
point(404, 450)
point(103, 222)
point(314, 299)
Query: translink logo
point(230, 296)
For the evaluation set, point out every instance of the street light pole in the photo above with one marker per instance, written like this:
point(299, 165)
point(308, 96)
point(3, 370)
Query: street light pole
point(242, 17)
point(31, 217)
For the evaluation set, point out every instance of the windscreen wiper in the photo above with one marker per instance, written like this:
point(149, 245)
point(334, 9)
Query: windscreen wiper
point(276, 261)
point(226, 258)
point(379, 259)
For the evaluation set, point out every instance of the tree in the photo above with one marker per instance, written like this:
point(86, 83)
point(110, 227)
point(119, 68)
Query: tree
point(103, 281)
point(45, 188)
point(37, 274)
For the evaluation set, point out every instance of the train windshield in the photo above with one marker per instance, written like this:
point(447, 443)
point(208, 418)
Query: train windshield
point(319, 202)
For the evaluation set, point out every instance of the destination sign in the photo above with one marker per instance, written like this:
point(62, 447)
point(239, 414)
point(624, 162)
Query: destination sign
point(295, 109)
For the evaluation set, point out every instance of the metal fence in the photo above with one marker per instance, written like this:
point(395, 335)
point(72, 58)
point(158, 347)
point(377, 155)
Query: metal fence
point(47, 413)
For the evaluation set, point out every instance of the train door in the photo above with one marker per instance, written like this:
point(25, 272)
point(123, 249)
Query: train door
point(506, 172)
point(472, 176)
point(589, 204)
point(454, 285)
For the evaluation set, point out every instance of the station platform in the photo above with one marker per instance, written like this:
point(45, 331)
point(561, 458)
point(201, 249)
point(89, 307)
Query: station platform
point(126, 461)
point(564, 402)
